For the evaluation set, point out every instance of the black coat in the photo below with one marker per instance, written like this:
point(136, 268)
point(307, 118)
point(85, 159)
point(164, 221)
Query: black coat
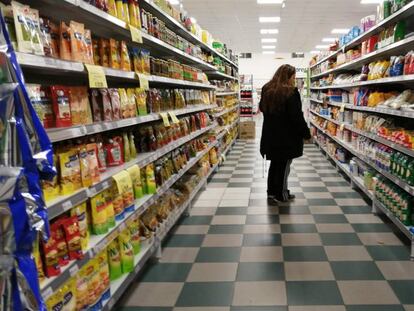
point(283, 132)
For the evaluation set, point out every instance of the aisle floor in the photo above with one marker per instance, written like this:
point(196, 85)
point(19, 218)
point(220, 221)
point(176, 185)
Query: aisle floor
point(324, 252)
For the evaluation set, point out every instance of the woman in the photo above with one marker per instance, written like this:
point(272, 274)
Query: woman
point(284, 130)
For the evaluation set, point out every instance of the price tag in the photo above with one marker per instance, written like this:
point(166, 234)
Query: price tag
point(342, 108)
point(96, 75)
point(67, 205)
point(342, 127)
point(47, 292)
point(136, 35)
point(122, 227)
point(73, 270)
point(173, 117)
point(143, 81)
point(164, 117)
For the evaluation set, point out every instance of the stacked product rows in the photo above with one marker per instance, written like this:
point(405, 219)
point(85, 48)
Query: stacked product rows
point(133, 149)
point(362, 109)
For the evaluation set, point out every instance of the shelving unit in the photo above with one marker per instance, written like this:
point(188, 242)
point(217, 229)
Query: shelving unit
point(46, 70)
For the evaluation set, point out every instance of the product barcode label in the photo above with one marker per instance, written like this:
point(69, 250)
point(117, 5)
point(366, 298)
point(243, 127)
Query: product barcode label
point(47, 292)
point(67, 205)
point(73, 270)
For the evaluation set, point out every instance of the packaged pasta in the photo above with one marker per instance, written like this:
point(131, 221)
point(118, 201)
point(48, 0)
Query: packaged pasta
point(50, 256)
point(68, 292)
point(93, 162)
point(109, 207)
point(77, 32)
point(115, 101)
point(106, 98)
point(98, 213)
point(132, 147)
point(104, 52)
point(35, 32)
point(94, 284)
point(88, 47)
point(61, 245)
point(126, 251)
point(104, 283)
point(73, 239)
point(70, 177)
point(80, 212)
point(61, 105)
point(114, 260)
point(55, 302)
point(127, 151)
point(133, 228)
point(64, 41)
point(21, 15)
point(125, 62)
point(112, 8)
point(132, 107)
point(150, 179)
point(114, 57)
point(41, 102)
point(84, 166)
point(82, 293)
point(141, 101)
point(38, 260)
point(124, 103)
point(134, 173)
point(50, 37)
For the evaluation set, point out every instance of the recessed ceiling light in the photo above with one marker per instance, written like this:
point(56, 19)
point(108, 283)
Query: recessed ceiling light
point(268, 52)
point(270, 31)
point(330, 40)
point(322, 47)
point(271, 19)
point(340, 31)
point(371, 1)
point(269, 1)
point(269, 40)
point(269, 47)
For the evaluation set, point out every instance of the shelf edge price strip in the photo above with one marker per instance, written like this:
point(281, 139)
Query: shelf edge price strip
point(96, 76)
point(143, 81)
point(135, 34)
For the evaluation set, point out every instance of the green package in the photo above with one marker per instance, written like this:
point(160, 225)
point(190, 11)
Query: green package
point(114, 260)
point(126, 251)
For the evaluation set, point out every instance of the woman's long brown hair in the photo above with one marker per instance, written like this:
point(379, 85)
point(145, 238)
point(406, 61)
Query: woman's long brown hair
point(277, 90)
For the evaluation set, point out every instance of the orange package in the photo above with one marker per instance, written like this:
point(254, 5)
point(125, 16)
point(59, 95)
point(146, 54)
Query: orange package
point(125, 60)
point(114, 57)
point(96, 53)
point(64, 42)
point(76, 39)
point(88, 47)
point(104, 52)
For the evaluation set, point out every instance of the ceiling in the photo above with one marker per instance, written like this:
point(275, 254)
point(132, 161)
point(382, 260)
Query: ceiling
point(304, 22)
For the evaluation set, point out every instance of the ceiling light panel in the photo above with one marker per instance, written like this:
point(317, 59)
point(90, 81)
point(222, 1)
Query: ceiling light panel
point(268, 52)
point(329, 40)
point(269, 19)
point(269, 1)
point(342, 31)
point(271, 31)
point(269, 40)
point(322, 47)
point(268, 47)
point(371, 1)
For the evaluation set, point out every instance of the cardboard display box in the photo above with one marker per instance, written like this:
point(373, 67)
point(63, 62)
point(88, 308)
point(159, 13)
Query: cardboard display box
point(247, 130)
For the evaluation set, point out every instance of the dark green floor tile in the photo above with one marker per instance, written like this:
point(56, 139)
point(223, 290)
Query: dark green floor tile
point(143, 309)
point(356, 270)
point(260, 271)
point(165, 272)
point(356, 209)
point(262, 219)
point(304, 253)
point(330, 239)
point(346, 195)
point(404, 291)
point(371, 227)
point(313, 293)
point(239, 185)
point(184, 240)
point(219, 254)
point(254, 308)
point(197, 220)
point(389, 252)
point(375, 308)
point(226, 229)
point(336, 183)
point(286, 210)
point(265, 239)
point(206, 294)
point(310, 179)
point(330, 219)
point(298, 228)
point(321, 202)
point(315, 189)
point(231, 211)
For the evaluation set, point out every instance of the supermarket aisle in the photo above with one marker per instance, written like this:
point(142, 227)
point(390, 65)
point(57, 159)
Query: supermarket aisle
point(325, 251)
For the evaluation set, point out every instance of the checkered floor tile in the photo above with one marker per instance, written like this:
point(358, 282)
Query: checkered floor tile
point(324, 251)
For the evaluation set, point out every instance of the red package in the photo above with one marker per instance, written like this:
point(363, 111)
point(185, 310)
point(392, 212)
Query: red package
point(96, 106)
point(106, 105)
point(372, 44)
point(61, 246)
point(102, 5)
point(113, 153)
point(120, 142)
point(50, 256)
point(115, 103)
point(411, 66)
point(61, 105)
point(407, 61)
point(70, 226)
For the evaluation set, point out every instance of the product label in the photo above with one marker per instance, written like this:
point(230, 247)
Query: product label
point(143, 81)
point(173, 117)
point(135, 34)
point(96, 75)
point(165, 119)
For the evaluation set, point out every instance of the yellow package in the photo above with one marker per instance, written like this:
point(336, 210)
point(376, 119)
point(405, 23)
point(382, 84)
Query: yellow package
point(126, 251)
point(51, 188)
point(117, 202)
point(150, 179)
point(38, 260)
point(88, 271)
point(124, 103)
point(132, 147)
point(82, 296)
point(112, 8)
point(114, 260)
point(134, 14)
point(80, 212)
point(98, 213)
point(55, 302)
point(141, 101)
point(70, 177)
point(114, 57)
point(125, 63)
point(124, 185)
point(132, 107)
point(135, 174)
point(86, 174)
point(95, 280)
point(127, 151)
point(104, 275)
point(109, 207)
point(68, 291)
point(120, 10)
point(133, 228)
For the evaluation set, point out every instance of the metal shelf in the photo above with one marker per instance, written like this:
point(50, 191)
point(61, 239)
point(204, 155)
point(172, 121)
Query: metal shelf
point(226, 93)
point(400, 48)
point(405, 12)
point(99, 242)
point(225, 111)
point(181, 30)
point(60, 134)
point(387, 111)
point(64, 203)
point(396, 180)
point(219, 75)
point(407, 79)
point(372, 136)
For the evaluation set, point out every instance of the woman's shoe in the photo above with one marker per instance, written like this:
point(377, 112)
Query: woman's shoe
point(292, 196)
point(272, 201)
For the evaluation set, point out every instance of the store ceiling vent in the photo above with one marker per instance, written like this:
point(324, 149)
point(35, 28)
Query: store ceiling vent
point(298, 55)
point(245, 55)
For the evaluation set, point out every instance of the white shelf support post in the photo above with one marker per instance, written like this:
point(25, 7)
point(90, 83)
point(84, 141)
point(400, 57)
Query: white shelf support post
point(375, 209)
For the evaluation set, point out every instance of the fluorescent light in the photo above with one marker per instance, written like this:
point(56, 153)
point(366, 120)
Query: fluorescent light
point(371, 1)
point(322, 47)
point(193, 20)
point(271, 31)
point(268, 46)
point(270, 19)
point(330, 40)
point(315, 52)
point(269, 40)
point(268, 52)
point(269, 1)
point(174, 2)
point(342, 31)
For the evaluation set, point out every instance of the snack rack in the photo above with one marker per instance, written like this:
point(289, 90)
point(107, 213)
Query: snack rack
point(46, 70)
point(341, 117)
point(246, 95)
